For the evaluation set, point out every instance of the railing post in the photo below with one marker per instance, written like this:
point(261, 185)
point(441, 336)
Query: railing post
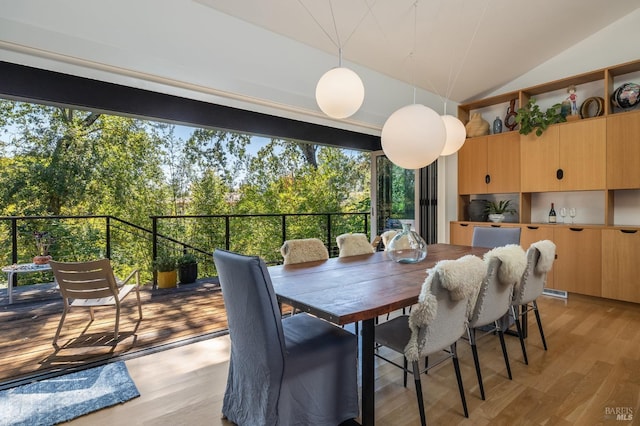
point(366, 224)
point(14, 249)
point(227, 231)
point(284, 228)
point(108, 236)
point(154, 247)
point(329, 232)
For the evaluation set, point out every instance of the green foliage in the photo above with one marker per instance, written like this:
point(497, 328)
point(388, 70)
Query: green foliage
point(531, 117)
point(499, 207)
point(165, 263)
point(187, 259)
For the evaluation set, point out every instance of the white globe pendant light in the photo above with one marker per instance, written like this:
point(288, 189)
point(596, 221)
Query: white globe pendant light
point(456, 135)
point(339, 92)
point(413, 137)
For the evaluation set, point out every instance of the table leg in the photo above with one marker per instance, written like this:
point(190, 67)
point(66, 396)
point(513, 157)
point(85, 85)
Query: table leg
point(368, 372)
point(10, 286)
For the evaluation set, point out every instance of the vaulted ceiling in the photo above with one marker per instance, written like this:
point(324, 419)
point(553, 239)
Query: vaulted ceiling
point(458, 49)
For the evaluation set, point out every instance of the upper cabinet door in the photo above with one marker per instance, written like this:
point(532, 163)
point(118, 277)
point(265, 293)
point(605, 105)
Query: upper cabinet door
point(583, 153)
point(472, 166)
point(539, 161)
point(623, 151)
point(503, 163)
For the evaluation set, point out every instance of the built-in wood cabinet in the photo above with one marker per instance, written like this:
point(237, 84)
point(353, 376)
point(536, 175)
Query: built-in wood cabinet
point(578, 268)
point(566, 157)
point(620, 265)
point(623, 151)
point(490, 164)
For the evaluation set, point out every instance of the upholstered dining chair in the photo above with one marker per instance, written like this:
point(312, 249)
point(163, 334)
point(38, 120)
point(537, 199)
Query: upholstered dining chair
point(303, 250)
point(299, 370)
point(353, 244)
point(540, 257)
point(491, 237)
point(387, 236)
point(90, 284)
point(505, 266)
point(436, 322)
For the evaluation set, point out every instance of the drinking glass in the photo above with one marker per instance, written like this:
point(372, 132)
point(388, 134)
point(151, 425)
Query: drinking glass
point(563, 213)
point(572, 213)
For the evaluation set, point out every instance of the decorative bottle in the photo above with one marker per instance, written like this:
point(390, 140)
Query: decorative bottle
point(552, 214)
point(407, 246)
point(497, 126)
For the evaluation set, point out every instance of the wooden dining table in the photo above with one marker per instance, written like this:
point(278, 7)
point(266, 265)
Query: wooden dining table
point(359, 288)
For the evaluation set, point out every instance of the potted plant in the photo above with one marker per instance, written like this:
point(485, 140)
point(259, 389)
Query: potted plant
point(531, 117)
point(187, 268)
point(165, 266)
point(497, 210)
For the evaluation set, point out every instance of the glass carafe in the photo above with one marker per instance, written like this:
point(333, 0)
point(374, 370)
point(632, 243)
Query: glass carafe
point(407, 246)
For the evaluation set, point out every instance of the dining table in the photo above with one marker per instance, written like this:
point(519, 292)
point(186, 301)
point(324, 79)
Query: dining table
point(360, 288)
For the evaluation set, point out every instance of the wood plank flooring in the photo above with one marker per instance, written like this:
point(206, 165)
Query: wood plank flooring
point(591, 370)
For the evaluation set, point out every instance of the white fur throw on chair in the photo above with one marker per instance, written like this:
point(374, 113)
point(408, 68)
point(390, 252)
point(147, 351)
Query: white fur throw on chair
point(303, 250)
point(353, 244)
point(547, 255)
point(514, 262)
point(461, 277)
point(387, 236)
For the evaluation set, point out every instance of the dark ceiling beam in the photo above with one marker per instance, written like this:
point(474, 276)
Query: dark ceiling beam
point(20, 82)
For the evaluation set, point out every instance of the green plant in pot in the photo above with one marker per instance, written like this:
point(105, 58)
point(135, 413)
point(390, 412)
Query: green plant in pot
point(531, 117)
point(165, 266)
point(187, 268)
point(497, 209)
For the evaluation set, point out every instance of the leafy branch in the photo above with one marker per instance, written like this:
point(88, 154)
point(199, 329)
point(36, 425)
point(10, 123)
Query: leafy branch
point(531, 117)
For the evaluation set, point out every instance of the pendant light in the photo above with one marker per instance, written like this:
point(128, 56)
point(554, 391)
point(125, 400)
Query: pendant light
point(340, 92)
point(456, 135)
point(413, 136)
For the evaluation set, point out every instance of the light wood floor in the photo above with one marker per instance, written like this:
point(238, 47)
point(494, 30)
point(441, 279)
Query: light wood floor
point(592, 369)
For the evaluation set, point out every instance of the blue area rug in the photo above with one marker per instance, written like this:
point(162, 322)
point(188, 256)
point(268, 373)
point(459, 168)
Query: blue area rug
point(66, 397)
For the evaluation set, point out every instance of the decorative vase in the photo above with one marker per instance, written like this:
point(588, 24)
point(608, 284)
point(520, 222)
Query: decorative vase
point(477, 210)
point(407, 246)
point(477, 126)
point(497, 218)
point(41, 260)
point(497, 126)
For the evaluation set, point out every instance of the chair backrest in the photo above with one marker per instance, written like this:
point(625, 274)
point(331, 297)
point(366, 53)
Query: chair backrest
point(353, 244)
point(494, 298)
point(85, 280)
point(490, 237)
point(387, 236)
point(540, 257)
point(255, 326)
point(440, 317)
point(303, 250)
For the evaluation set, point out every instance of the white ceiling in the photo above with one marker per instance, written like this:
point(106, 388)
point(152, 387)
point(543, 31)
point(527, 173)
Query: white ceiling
point(459, 49)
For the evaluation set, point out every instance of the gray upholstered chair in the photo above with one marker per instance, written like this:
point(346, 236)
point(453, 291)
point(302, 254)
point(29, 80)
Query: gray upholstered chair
point(540, 257)
point(303, 250)
point(353, 244)
point(491, 237)
point(291, 371)
point(505, 266)
point(436, 322)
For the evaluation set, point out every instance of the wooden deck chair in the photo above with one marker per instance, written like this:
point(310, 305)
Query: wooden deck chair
point(90, 284)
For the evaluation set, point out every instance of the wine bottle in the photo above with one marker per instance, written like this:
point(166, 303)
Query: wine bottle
point(552, 214)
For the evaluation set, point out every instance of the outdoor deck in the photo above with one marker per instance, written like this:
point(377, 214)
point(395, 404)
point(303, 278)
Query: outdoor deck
point(170, 317)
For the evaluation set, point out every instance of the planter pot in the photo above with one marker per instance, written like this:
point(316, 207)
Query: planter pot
point(496, 218)
point(167, 279)
point(188, 273)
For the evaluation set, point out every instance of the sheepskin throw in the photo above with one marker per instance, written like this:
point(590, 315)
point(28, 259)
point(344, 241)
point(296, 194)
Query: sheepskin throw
point(387, 236)
point(353, 244)
point(514, 262)
point(303, 250)
point(547, 251)
point(461, 278)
